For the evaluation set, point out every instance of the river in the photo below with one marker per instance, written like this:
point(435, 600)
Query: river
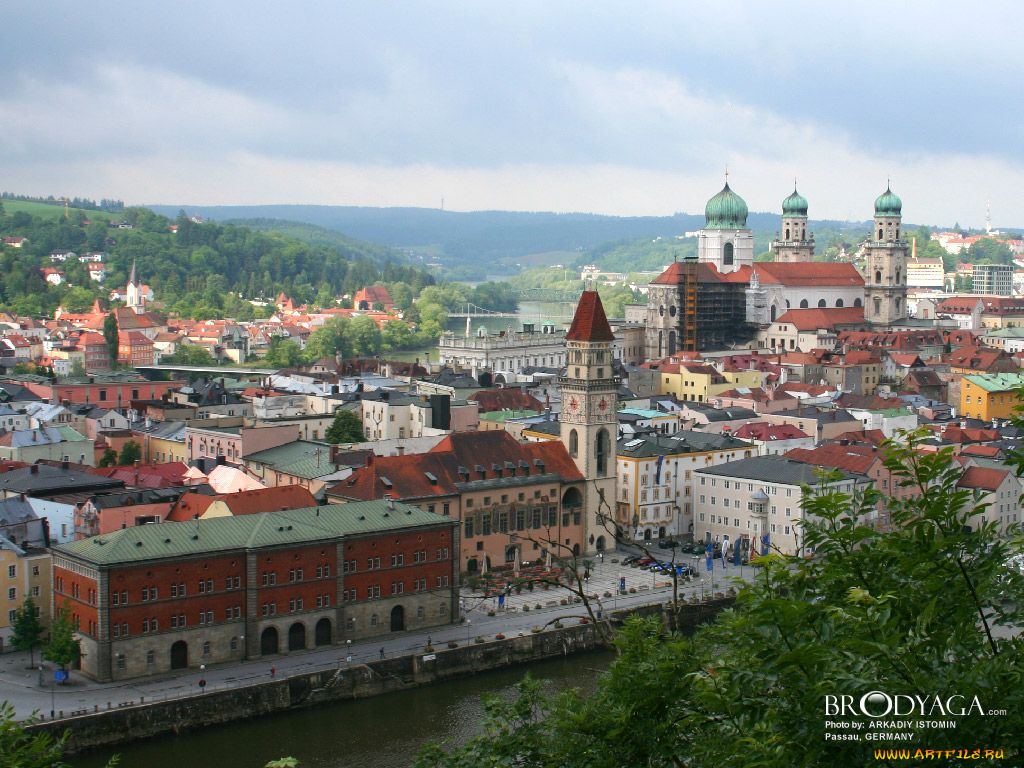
point(383, 732)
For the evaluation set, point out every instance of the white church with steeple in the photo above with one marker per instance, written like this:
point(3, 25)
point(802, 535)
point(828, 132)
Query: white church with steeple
point(135, 299)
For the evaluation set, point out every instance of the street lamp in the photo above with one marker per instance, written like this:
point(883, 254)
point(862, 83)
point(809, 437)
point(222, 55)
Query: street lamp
point(469, 630)
point(348, 651)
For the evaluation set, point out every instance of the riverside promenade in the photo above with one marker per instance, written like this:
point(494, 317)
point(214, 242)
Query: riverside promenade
point(34, 691)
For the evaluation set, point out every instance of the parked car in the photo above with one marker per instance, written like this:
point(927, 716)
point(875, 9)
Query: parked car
point(629, 560)
point(667, 543)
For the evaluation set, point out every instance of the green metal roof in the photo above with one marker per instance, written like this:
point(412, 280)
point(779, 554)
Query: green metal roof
point(726, 210)
point(303, 458)
point(500, 416)
point(795, 204)
point(888, 204)
point(267, 529)
point(997, 382)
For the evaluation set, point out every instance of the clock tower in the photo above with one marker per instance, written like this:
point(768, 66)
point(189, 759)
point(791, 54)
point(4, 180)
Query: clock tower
point(589, 420)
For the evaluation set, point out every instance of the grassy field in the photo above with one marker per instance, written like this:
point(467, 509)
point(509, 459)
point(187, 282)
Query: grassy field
point(46, 210)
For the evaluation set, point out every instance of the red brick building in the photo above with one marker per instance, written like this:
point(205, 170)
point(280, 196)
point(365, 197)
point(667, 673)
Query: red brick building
point(134, 349)
point(174, 595)
point(112, 392)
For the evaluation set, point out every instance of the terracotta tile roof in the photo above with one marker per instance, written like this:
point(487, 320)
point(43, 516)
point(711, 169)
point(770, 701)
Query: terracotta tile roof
point(982, 478)
point(905, 359)
point(987, 451)
point(812, 273)
point(762, 430)
point(590, 323)
point(860, 357)
point(244, 502)
point(852, 458)
point(508, 398)
point(828, 317)
point(409, 477)
point(872, 436)
point(976, 358)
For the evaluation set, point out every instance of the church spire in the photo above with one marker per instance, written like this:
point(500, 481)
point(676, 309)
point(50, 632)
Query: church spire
point(132, 279)
point(590, 323)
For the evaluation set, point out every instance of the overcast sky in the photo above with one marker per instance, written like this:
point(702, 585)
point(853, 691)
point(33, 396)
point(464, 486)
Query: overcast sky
point(610, 107)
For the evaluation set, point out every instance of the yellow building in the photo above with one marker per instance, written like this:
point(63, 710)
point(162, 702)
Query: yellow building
point(700, 382)
point(23, 573)
point(990, 396)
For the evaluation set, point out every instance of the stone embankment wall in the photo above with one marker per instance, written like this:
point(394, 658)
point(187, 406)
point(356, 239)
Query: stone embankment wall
point(141, 721)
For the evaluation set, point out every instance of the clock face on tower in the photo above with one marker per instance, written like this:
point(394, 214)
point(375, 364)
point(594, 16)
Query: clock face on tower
point(574, 404)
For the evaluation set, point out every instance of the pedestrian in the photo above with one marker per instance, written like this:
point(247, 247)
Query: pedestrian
point(273, 671)
point(428, 640)
point(382, 651)
point(202, 683)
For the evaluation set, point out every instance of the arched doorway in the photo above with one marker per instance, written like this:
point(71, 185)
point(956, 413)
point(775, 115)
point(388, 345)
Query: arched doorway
point(323, 632)
point(297, 637)
point(661, 532)
point(647, 534)
point(179, 655)
point(268, 641)
point(472, 566)
point(600, 544)
point(512, 555)
point(398, 619)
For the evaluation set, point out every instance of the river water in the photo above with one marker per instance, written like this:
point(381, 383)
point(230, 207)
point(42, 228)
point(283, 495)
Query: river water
point(383, 732)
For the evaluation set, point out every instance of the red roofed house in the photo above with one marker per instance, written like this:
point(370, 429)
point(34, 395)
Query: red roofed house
point(502, 492)
point(864, 459)
point(367, 298)
point(807, 329)
point(998, 490)
point(134, 349)
point(774, 439)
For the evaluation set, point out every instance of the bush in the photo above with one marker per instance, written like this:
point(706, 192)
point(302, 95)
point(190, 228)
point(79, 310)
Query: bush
point(563, 601)
point(490, 613)
point(632, 590)
point(452, 644)
point(526, 607)
point(478, 639)
point(557, 625)
point(607, 594)
point(538, 606)
point(535, 630)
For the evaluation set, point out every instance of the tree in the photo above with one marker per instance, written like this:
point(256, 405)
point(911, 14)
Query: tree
point(346, 428)
point(908, 610)
point(190, 354)
point(364, 337)
point(283, 353)
point(110, 333)
point(28, 630)
point(109, 458)
point(329, 339)
point(130, 453)
point(63, 648)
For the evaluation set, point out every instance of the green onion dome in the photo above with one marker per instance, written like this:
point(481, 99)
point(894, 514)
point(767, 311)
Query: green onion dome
point(888, 204)
point(794, 205)
point(726, 210)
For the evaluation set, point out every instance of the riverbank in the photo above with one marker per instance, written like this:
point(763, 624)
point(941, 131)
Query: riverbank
point(136, 720)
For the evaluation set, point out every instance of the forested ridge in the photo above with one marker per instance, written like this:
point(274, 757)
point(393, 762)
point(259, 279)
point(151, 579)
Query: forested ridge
point(202, 270)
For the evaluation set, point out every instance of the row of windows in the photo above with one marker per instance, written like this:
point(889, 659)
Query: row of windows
point(486, 523)
point(442, 610)
point(504, 497)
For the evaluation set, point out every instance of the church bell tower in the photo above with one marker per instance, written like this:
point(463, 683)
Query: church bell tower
point(589, 419)
point(885, 264)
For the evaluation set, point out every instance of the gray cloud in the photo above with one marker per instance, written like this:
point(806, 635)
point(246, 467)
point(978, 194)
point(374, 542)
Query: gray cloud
point(472, 89)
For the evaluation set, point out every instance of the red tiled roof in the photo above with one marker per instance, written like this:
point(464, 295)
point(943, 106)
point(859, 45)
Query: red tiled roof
point(983, 478)
point(405, 477)
point(872, 436)
point(762, 430)
point(589, 323)
point(244, 502)
point(165, 475)
point(827, 317)
point(976, 449)
point(852, 458)
point(808, 273)
point(508, 398)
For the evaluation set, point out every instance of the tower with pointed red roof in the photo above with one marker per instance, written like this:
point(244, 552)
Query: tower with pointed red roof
point(589, 418)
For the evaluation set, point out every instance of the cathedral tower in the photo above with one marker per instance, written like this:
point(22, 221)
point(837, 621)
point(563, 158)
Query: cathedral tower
point(794, 243)
point(589, 418)
point(725, 240)
point(885, 264)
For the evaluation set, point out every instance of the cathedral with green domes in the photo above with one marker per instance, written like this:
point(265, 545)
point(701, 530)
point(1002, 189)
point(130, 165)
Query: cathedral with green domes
point(724, 299)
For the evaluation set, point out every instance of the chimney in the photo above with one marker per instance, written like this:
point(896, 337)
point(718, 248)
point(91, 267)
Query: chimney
point(391, 501)
point(400, 450)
